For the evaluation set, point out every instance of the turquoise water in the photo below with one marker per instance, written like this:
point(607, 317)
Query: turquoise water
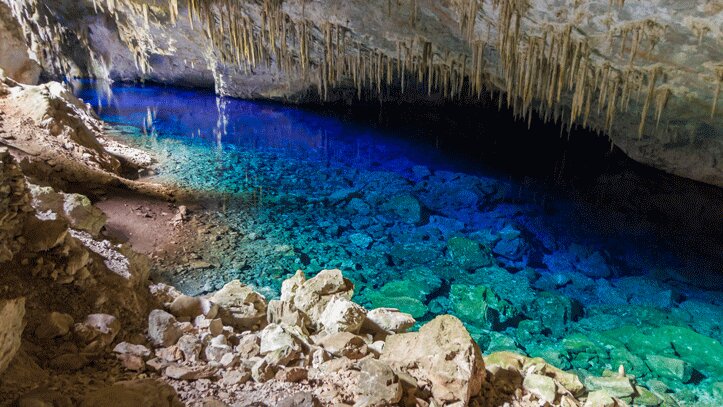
point(422, 230)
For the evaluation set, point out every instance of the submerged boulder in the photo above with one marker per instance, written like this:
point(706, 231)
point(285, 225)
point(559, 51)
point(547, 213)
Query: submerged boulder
point(470, 255)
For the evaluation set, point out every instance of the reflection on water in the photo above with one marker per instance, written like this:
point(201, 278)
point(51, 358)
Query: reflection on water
point(424, 231)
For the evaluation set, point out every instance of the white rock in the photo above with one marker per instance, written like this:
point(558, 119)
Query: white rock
point(388, 321)
point(191, 307)
point(314, 294)
point(441, 354)
point(240, 306)
point(342, 315)
point(162, 328)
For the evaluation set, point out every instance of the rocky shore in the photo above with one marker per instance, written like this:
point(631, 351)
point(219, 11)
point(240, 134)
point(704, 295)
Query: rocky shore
point(84, 325)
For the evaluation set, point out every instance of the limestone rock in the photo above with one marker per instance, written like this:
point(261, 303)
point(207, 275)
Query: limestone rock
point(301, 399)
point(145, 392)
point(179, 372)
point(97, 331)
point(388, 321)
point(342, 315)
point(240, 306)
point(344, 344)
point(314, 294)
point(615, 386)
point(162, 328)
point(187, 306)
point(54, 324)
point(190, 345)
point(441, 354)
point(541, 386)
point(377, 384)
point(12, 313)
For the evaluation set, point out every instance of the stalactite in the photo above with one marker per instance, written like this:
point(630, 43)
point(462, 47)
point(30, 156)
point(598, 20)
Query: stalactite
point(652, 78)
point(716, 95)
point(661, 100)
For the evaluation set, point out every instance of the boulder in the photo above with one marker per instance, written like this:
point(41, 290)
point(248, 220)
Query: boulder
point(191, 307)
point(541, 386)
point(387, 321)
point(53, 325)
point(134, 393)
point(97, 331)
point(468, 254)
point(163, 328)
point(443, 355)
point(240, 306)
point(614, 386)
point(481, 306)
point(669, 368)
point(377, 384)
point(406, 207)
point(12, 313)
point(342, 315)
point(313, 295)
point(191, 346)
point(217, 349)
point(344, 344)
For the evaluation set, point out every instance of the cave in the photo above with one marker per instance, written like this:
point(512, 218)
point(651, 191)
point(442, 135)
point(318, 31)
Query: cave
point(361, 203)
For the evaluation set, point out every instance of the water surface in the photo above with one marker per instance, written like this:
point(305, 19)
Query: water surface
point(431, 232)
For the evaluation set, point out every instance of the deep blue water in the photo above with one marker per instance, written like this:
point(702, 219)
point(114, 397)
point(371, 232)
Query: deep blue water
point(428, 232)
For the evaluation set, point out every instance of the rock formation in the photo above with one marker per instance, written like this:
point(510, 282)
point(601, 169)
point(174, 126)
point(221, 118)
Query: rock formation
point(647, 74)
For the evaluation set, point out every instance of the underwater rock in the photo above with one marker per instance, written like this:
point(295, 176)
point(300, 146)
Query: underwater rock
point(554, 311)
point(481, 306)
point(408, 305)
point(441, 354)
point(614, 386)
point(469, 254)
point(406, 207)
point(669, 368)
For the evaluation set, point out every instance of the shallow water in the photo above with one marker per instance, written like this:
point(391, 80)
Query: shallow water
point(423, 230)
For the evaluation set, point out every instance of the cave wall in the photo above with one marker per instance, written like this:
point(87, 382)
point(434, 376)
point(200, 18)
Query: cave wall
point(648, 74)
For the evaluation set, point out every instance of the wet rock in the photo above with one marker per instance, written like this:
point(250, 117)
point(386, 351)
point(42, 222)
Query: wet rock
point(406, 207)
point(481, 306)
point(411, 306)
point(12, 314)
point(145, 392)
point(53, 325)
point(361, 240)
point(669, 368)
point(441, 354)
point(387, 321)
point(191, 307)
point(342, 315)
point(615, 386)
point(163, 328)
point(554, 311)
point(240, 306)
point(469, 254)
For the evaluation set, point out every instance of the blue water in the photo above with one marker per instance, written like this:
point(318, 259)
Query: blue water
point(427, 232)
